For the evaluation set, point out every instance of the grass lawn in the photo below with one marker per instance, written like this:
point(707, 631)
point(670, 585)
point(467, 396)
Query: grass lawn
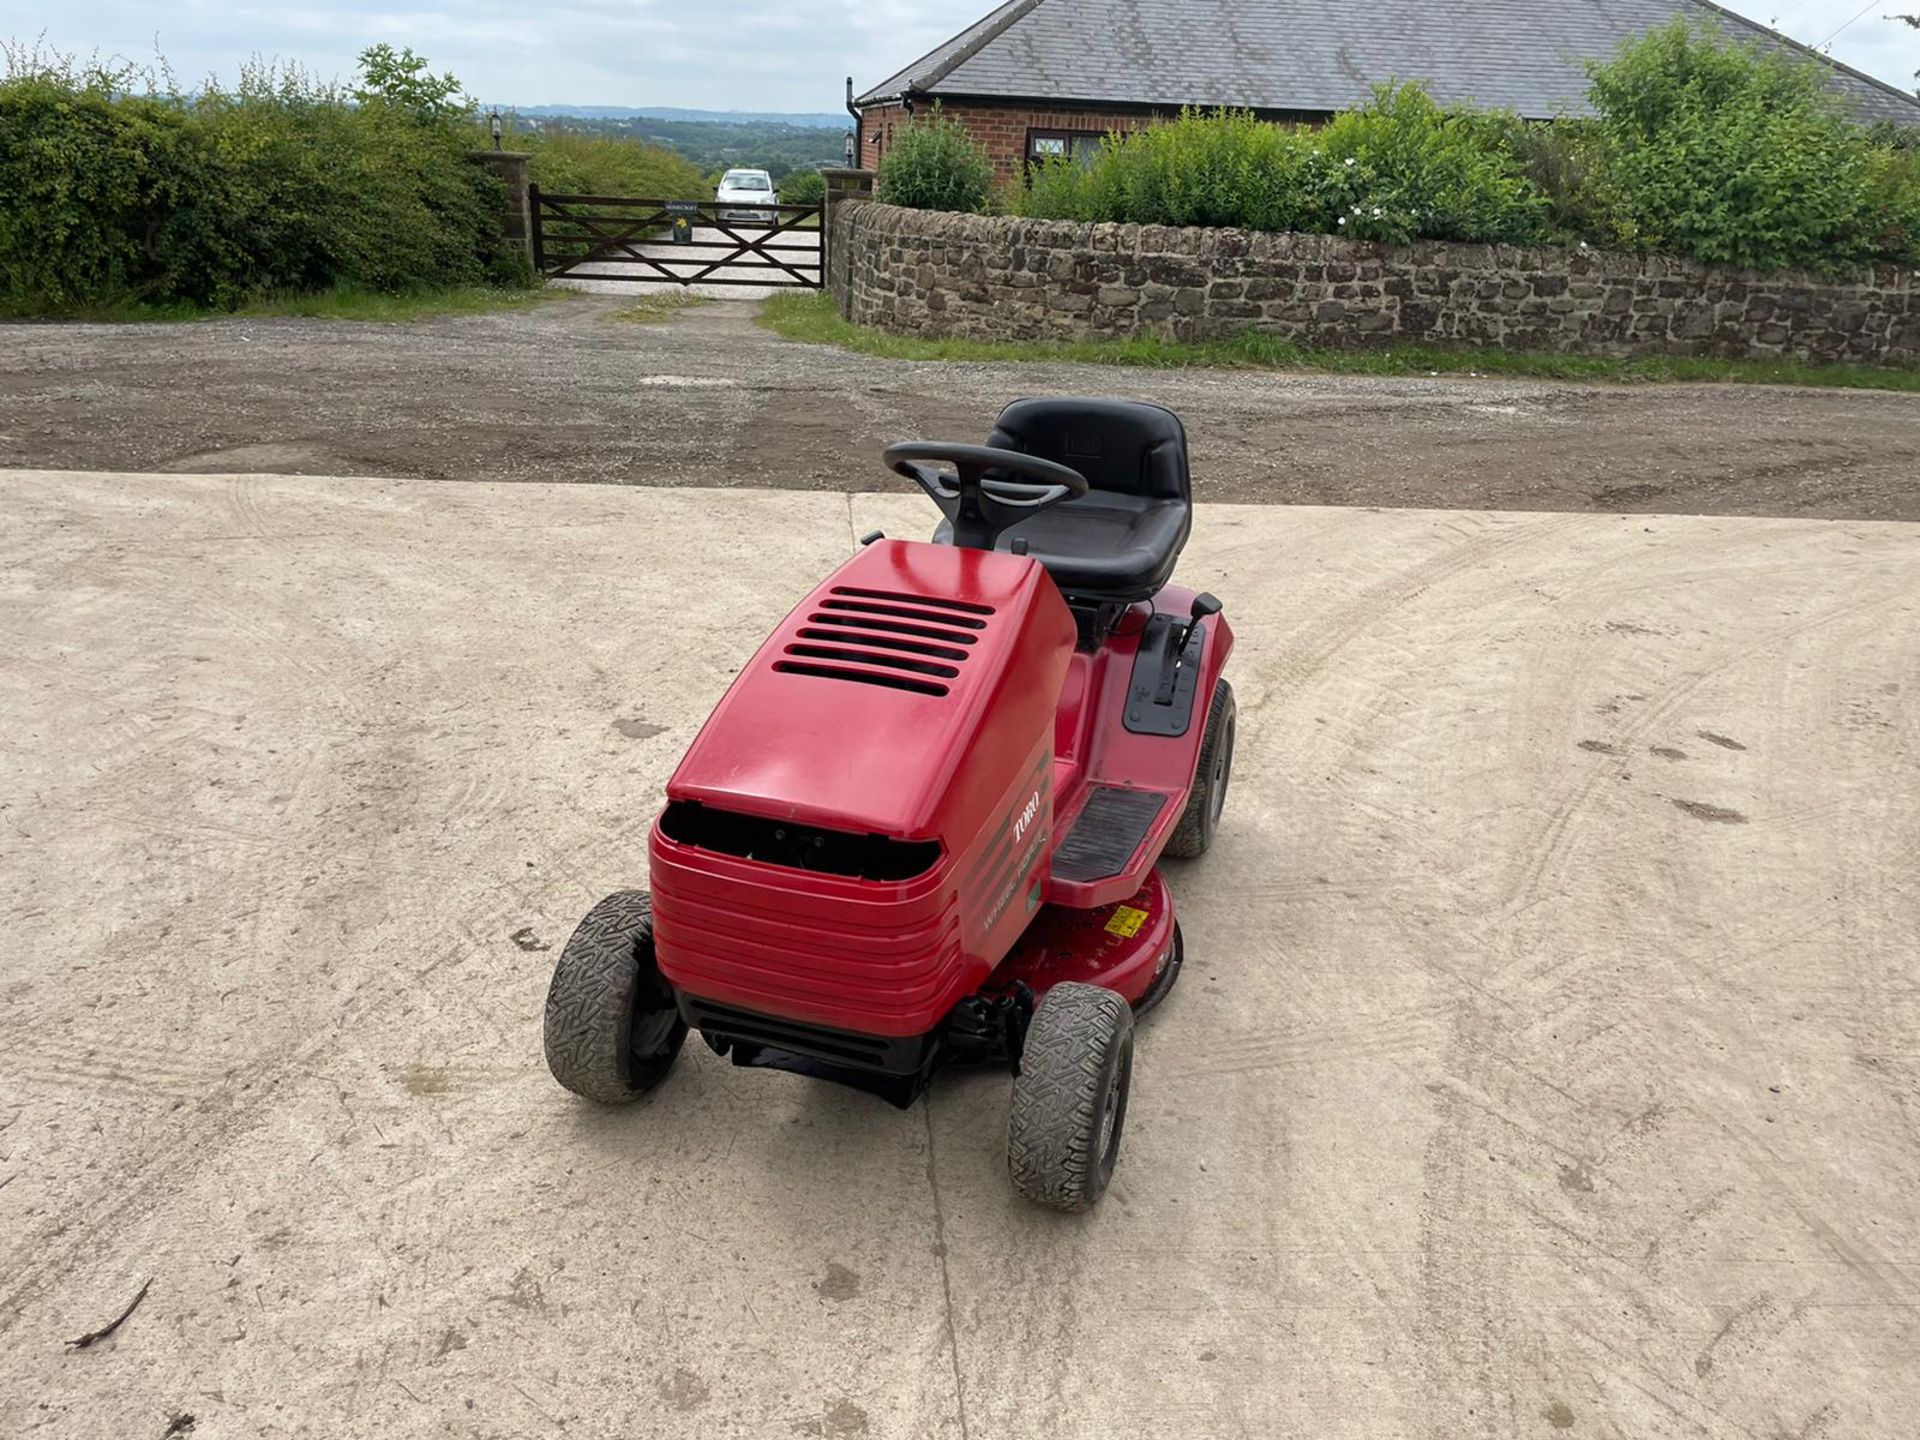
point(813, 318)
point(341, 303)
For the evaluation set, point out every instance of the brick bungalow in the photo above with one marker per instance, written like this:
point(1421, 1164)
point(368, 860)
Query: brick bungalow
point(1053, 77)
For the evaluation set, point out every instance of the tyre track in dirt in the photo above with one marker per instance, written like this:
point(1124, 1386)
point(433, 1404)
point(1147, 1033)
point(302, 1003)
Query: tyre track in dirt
point(1546, 847)
point(214, 1123)
point(1300, 662)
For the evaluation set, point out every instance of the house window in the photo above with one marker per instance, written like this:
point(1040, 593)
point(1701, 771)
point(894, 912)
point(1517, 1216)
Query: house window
point(1081, 145)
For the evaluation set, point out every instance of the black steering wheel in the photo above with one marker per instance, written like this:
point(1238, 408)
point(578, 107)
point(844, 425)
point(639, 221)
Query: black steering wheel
point(976, 496)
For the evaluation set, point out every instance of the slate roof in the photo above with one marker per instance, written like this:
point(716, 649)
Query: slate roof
point(1319, 55)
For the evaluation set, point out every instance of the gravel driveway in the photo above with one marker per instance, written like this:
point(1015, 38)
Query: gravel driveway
point(563, 392)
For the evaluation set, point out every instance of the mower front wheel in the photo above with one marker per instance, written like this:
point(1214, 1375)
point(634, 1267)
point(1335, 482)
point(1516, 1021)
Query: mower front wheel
point(1070, 1098)
point(612, 1029)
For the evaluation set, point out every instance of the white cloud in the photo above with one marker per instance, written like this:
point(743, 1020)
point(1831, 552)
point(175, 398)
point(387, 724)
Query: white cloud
point(716, 54)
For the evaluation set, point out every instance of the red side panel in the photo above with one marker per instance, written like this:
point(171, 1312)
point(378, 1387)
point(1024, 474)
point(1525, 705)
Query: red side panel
point(1095, 748)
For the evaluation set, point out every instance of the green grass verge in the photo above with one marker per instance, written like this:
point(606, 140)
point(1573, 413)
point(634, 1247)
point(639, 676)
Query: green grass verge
point(657, 308)
point(343, 303)
point(813, 318)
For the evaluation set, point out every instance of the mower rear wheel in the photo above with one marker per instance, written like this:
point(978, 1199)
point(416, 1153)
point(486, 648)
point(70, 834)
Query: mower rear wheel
point(612, 1028)
point(1070, 1098)
point(1211, 776)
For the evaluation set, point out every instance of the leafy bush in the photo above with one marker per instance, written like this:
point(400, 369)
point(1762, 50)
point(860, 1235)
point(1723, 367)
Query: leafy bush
point(573, 162)
point(1893, 203)
point(87, 185)
point(108, 195)
point(307, 192)
point(1558, 160)
point(803, 187)
point(1724, 153)
point(1402, 167)
point(934, 164)
point(1218, 168)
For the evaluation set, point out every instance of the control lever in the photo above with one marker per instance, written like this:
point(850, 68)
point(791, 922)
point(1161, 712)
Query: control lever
point(1203, 606)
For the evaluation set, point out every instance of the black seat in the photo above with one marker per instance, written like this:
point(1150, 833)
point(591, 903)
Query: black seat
point(1120, 540)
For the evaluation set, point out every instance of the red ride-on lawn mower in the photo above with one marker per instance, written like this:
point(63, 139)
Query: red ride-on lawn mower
point(921, 828)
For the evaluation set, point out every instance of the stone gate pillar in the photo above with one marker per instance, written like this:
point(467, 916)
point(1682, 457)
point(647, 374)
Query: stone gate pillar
point(510, 167)
point(842, 184)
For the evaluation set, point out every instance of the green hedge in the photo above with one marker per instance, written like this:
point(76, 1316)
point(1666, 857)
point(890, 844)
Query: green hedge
point(107, 196)
point(1403, 167)
point(1701, 147)
point(572, 162)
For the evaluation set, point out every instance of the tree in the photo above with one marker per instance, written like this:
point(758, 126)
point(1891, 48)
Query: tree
point(401, 79)
point(1914, 22)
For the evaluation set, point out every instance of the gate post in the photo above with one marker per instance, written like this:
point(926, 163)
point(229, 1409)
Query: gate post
point(536, 236)
point(510, 167)
point(842, 184)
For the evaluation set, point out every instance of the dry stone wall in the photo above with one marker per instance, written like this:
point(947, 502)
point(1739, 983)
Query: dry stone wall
point(1001, 278)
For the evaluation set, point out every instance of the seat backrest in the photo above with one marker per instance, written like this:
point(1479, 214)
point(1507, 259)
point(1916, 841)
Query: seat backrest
point(1125, 447)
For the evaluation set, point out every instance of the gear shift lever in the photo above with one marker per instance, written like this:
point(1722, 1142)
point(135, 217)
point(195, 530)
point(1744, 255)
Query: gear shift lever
point(1204, 604)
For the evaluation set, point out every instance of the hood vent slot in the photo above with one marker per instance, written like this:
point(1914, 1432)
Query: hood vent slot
point(863, 677)
point(894, 627)
point(965, 607)
point(877, 641)
point(902, 612)
point(874, 657)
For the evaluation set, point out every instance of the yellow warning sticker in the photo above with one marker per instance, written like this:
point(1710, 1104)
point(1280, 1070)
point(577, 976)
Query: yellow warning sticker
point(1126, 921)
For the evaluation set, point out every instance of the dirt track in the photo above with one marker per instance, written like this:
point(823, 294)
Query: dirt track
point(1545, 1062)
point(564, 394)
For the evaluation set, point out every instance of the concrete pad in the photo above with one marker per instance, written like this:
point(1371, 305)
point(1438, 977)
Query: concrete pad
point(1548, 1059)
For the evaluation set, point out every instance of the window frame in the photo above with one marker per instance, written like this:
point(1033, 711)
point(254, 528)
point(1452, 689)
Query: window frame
point(1070, 140)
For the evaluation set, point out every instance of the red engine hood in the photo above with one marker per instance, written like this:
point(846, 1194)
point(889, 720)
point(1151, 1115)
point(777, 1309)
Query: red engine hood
point(860, 708)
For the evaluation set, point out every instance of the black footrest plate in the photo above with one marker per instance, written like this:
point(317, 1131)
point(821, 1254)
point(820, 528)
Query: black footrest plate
point(1109, 830)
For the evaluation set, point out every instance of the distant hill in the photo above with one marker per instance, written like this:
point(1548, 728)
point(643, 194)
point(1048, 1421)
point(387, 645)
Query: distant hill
point(835, 120)
point(779, 146)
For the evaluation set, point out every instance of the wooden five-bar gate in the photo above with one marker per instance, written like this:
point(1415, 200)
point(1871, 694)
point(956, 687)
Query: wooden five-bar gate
point(675, 242)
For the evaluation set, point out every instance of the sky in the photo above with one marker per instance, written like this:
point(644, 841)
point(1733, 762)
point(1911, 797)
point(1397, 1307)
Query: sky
point(780, 55)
